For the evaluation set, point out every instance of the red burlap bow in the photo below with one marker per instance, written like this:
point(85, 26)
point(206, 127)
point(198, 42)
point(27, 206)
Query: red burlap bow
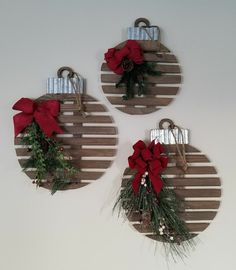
point(131, 51)
point(151, 159)
point(44, 113)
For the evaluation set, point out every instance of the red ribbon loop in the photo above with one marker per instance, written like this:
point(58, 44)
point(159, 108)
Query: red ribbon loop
point(151, 159)
point(44, 113)
point(132, 51)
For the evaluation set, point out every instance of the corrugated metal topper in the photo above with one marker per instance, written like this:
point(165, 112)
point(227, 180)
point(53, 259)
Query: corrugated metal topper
point(170, 135)
point(64, 85)
point(72, 84)
point(146, 32)
point(173, 134)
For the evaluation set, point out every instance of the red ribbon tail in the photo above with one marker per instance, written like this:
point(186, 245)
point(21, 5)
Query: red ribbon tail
point(156, 182)
point(21, 121)
point(47, 124)
point(136, 182)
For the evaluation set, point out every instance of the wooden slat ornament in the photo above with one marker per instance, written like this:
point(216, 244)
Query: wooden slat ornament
point(89, 142)
point(198, 187)
point(200, 191)
point(160, 91)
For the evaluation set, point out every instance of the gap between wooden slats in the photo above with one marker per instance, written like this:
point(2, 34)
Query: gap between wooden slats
point(146, 101)
point(80, 141)
point(88, 119)
point(165, 68)
point(76, 153)
point(85, 164)
point(91, 130)
point(79, 176)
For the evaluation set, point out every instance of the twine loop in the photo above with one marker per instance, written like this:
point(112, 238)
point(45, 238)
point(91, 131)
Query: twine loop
point(76, 81)
point(180, 150)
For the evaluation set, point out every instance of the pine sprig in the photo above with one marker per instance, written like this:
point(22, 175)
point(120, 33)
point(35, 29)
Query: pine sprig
point(160, 213)
point(136, 76)
point(47, 158)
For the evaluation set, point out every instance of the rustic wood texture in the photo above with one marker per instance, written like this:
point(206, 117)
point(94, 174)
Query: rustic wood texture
point(90, 143)
point(199, 189)
point(160, 90)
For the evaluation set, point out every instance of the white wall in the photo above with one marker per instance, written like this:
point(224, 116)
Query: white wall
point(76, 229)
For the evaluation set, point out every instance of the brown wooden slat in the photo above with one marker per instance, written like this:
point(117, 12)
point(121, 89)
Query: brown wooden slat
point(136, 110)
point(147, 101)
point(163, 79)
point(188, 182)
point(157, 238)
point(165, 68)
point(79, 175)
point(178, 171)
point(193, 181)
point(197, 227)
point(77, 152)
point(90, 130)
point(191, 170)
point(168, 68)
point(70, 186)
point(171, 148)
point(85, 164)
point(67, 97)
point(198, 193)
point(192, 227)
point(190, 158)
point(88, 141)
point(160, 57)
point(79, 141)
point(88, 119)
point(201, 204)
point(198, 215)
point(155, 90)
point(194, 216)
point(87, 107)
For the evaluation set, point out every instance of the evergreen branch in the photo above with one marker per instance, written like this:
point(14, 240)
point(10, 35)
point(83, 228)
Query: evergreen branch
point(137, 76)
point(160, 213)
point(47, 158)
point(59, 184)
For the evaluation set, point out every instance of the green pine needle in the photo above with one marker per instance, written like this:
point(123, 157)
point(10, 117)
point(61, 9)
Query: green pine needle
point(59, 184)
point(136, 76)
point(47, 158)
point(163, 211)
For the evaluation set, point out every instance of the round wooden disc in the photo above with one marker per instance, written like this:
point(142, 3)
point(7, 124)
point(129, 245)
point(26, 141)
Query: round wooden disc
point(161, 90)
point(89, 142)
point(199, 189)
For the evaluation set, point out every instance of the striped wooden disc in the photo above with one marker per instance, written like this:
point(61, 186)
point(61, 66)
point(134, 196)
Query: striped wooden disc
point(199, 189)
point(161, 90)
point(89, 142)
